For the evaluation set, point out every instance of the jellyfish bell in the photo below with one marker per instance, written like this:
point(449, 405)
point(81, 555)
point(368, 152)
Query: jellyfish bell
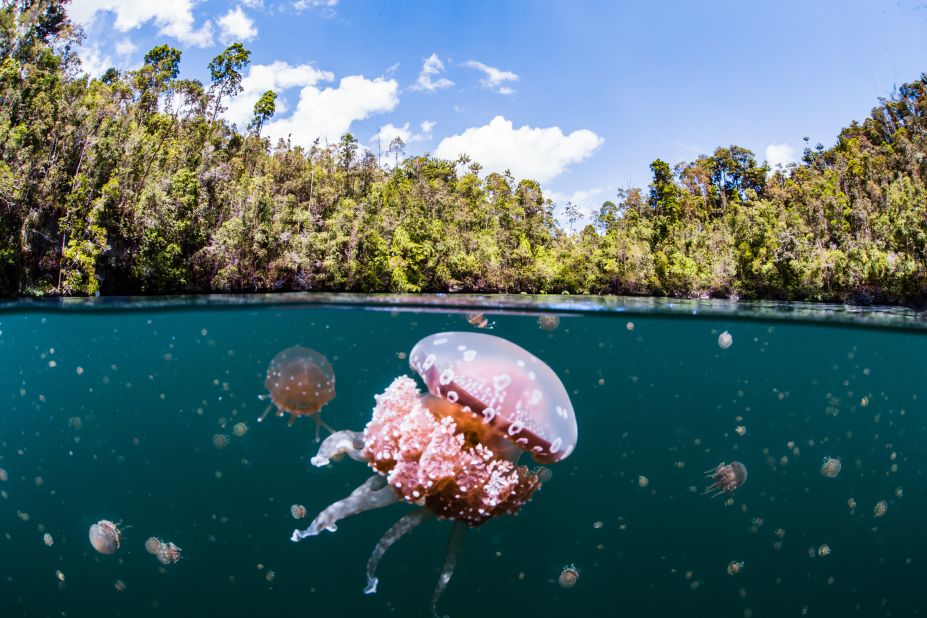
point(503, 386)
point(105, 537)
point(831, 467)
point(454, 450)
point(299, 382)
point(726, 478)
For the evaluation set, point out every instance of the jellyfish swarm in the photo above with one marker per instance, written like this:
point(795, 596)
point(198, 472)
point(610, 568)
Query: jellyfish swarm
point(726, 478)
point(454, 451)
point(300, 381)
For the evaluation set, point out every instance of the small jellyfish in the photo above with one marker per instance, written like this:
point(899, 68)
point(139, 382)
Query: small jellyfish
point(120, 585)
point(851, 503)
point(477, 319)
point(642, 481)
point(3, 475)
point(880, 508)
point(239, 429)
point(734, 567)
point(629, 326)
point(831, 467)
point(740, 430)
point(105, 537)
point(726, 478)
point(548, 322)
point(298, 511)
point(300, 381)
point(152, 545)
point(168, 553)
point(48, 540)
point(725, 340)
point(220, 441)
point(824, 550)
point(568, 577)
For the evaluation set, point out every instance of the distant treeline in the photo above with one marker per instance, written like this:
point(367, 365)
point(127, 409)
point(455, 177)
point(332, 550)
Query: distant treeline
point(133, 184)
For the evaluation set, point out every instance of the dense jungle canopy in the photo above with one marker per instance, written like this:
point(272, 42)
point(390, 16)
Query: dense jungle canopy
point(132, 183)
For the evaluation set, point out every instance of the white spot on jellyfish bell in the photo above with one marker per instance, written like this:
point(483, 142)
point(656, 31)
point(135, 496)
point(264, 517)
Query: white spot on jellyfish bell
point(501, 381)
point(469, 355)
point(555, 445)
point(429, 361)
point(536, 397)
point(440, 341)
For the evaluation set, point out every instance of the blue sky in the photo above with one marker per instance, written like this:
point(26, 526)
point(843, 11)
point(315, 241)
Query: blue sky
point(581, 95)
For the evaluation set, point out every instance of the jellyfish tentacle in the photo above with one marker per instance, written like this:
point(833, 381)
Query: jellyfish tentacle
point(372, 494)
point(454, 542)
point(396, 532)
point(319, 424)
point(339, 443)
point(266, 412)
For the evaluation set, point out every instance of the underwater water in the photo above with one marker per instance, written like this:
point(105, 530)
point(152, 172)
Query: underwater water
point(127, 412)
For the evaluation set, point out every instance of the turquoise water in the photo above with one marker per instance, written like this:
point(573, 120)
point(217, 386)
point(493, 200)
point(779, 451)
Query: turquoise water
point(152, 387)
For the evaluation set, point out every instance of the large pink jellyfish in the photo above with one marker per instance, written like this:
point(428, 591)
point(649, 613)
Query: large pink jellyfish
point(454, 451)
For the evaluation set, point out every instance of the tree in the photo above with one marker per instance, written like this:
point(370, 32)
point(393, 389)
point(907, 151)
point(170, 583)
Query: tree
point(225, 73)
point(263, 110)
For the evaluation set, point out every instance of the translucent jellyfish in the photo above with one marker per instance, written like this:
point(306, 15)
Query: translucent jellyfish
point(548, 322)
point(240, 429)
point(453, 451)
point(153, 545)
point(47, 539)
point(831, 467)
point(105, 537)
point(300, 381)
point(734, 567)
point(880, 509)
point(725, 478)
point(479, 320)
point(725, 340)
point(824, 550)
point(298, 511)
point(568, 577)
point(168, 553)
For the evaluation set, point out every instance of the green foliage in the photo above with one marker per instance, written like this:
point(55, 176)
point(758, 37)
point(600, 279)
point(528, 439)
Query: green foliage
point(132, 183)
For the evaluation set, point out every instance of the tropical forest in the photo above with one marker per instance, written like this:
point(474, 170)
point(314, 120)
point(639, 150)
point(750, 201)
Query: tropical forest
point(133, 183)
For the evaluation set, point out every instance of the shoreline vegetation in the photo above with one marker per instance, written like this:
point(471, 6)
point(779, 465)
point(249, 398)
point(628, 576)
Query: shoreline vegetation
point(132, 183)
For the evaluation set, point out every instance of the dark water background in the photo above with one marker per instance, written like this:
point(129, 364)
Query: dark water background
point(661, 400)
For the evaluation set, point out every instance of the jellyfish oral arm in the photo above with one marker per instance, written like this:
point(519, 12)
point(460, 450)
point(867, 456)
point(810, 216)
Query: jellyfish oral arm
point(451, 555)
point(350, 443)
point(374, 493)
point(396, 532)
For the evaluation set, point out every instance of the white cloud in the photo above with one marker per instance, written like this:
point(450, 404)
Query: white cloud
point(236, 26)
point(780, 154)
point(329, 113)
point(173, 17)
point(493, 78)
point(278, 76)
point(587, 200)
point(389, 132)
point(94, 61)
point(253, 4)
point(529, 152)
point(431, 68)
point(302, 5)
point(125, 47)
